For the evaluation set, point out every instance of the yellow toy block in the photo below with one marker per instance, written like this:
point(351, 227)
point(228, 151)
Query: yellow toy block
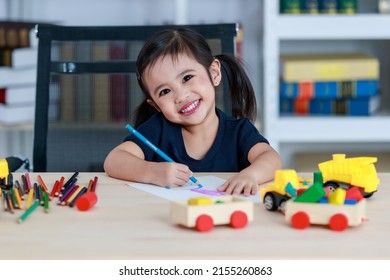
point(200, 201)
point(337, 196)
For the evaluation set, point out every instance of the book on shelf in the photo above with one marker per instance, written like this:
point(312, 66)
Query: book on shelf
point(24, 57)
point(67, 111)
point(329, 89)
point(6, 57)
point(328, 6)
point(83, 85)
point(17, 114)
point(329, 67)
point(310, 6)
point(347, 6)
point(318, 6)
point(345, 106)
point(18, 95)
point(119, 84)
point(10, 76)
point(16, 34)
point(101, 85)
point(290, 6)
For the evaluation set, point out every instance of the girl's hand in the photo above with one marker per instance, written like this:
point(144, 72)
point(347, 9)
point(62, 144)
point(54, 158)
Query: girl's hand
point(240, 184)
point(170, 174)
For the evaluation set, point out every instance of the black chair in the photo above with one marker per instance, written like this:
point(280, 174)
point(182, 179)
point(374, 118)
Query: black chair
point(87, 89)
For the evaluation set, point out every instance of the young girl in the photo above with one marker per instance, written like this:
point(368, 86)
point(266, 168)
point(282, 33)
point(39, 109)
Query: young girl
point(179, 75)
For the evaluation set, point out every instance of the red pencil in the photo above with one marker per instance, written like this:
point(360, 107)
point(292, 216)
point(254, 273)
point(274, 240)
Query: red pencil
point(95, 180)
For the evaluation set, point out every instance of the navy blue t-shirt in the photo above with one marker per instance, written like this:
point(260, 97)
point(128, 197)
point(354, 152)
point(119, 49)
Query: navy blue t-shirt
point(228, 153)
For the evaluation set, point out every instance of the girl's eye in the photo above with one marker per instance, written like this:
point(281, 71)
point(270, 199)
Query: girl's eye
point(164, 92)
point(187, 78)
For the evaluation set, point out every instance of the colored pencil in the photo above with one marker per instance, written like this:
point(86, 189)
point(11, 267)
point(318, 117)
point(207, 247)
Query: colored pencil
point(28, 211)
point(95, 180)
point(42, 183)
point(30, 198)
point(156, 149)
point(46, 201)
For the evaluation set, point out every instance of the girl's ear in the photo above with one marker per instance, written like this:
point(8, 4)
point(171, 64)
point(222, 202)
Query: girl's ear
point(215, 72)
point(152, 103)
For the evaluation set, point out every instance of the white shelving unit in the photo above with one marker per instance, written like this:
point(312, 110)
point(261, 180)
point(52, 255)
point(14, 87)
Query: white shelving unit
point(308, 132)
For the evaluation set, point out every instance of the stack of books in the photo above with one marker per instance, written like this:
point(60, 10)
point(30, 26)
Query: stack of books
point(18, 64)
point(318, 6)
point(329, 84)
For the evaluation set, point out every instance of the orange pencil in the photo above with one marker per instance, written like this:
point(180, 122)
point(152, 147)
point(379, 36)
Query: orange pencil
point(90, 185)
point(40, 181)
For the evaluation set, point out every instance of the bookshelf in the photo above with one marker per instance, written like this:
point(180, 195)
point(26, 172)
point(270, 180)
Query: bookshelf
point(307, 33)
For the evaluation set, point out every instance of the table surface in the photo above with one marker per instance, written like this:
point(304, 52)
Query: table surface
point(127, 223)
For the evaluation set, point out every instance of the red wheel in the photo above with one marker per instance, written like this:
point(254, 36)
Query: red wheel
point(238, 219)
point(300, 220)
point(338, 222)
point(204, 223)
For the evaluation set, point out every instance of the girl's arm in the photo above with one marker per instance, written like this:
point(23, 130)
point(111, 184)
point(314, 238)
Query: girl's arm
point(264, 161)
point(126, 162)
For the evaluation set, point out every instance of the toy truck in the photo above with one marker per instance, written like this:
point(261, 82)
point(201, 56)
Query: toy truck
point(338, 209)
point(346, 172)
point(202, 213)
point(337, 217)
point(6, 179)
point(285, 185)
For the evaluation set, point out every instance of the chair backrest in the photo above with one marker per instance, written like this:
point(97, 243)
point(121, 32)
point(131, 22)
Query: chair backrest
point(87, 89)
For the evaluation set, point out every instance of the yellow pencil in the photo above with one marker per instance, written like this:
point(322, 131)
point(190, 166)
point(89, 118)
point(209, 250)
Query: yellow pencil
point(30, 198)
point(18, 198)
point(78, 190)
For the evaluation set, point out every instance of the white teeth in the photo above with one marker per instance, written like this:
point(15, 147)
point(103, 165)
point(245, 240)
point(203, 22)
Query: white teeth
point(191, 107)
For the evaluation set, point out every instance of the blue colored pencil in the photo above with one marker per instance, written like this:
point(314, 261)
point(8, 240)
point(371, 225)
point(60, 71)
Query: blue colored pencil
point(156, 149)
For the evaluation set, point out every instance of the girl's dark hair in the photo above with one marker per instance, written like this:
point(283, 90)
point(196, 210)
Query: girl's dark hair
point(183, 40)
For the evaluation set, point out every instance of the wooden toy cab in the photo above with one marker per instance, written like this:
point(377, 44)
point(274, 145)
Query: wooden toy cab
point(202, 213)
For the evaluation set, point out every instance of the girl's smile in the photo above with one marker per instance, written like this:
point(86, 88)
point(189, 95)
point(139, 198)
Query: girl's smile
point(190, 107)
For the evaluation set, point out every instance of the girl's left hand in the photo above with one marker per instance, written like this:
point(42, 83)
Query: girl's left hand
point(240, 184)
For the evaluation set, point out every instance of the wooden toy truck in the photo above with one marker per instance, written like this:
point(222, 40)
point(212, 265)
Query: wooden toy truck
point(346, 172)
point(337, 217)
point(202, 213)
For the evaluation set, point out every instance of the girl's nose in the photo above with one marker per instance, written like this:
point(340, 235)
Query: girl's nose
point(181, 95)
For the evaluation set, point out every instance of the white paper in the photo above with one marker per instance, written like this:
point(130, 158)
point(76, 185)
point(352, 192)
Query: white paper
point(209, 183)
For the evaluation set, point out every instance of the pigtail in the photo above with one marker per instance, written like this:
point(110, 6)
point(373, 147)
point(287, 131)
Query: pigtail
point(242, 95)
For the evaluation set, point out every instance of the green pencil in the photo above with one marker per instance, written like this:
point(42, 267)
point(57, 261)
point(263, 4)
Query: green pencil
point(28, 211)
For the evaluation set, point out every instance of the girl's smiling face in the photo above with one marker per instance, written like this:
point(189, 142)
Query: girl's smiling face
point(180, 87)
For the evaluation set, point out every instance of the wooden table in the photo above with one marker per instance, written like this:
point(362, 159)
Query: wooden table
point(131, 224)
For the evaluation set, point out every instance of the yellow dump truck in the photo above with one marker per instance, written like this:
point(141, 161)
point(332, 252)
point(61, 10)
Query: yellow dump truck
point(346, 172)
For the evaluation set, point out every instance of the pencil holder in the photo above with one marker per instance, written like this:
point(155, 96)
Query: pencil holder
point(86, 201)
